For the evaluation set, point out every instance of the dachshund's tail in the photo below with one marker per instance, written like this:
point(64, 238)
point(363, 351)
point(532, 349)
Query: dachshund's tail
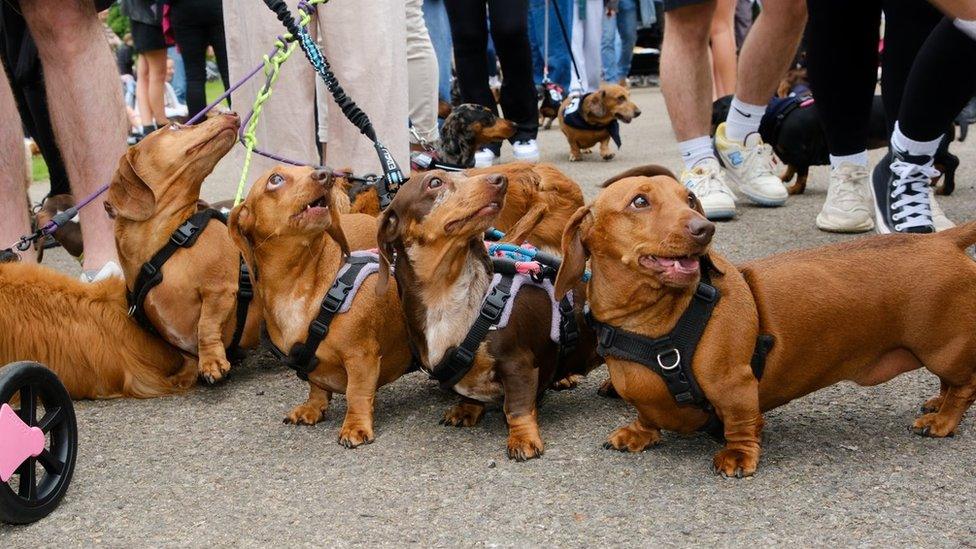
point(963, 236)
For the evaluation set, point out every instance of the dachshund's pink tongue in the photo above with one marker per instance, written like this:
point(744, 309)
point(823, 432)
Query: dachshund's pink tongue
point(683, 265)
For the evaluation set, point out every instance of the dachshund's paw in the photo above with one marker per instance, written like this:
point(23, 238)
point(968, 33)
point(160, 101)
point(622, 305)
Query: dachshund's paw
point(586, 151)
point(352, 436)
point(632, 439)
point(934, 425)
point(730, 463)
point(305, 414)
point(525, 447)
point(932, 405)
point(608, 156)
point(575, 158)
point(569, 382)
point(607, 390)
point(214, 370)
point(464, 414)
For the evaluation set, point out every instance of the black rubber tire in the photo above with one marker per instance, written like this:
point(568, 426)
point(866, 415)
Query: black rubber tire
point(58, 460)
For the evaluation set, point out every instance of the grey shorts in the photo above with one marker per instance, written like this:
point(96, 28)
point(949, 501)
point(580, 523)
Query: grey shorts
point(675, 4)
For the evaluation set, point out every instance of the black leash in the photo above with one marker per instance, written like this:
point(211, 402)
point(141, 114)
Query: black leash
point(392, 175)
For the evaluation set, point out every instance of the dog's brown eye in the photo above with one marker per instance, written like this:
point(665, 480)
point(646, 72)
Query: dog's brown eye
point(692, 200)
point(620, 100)
point(434, 183)
point(640, 202)
point(275, 181)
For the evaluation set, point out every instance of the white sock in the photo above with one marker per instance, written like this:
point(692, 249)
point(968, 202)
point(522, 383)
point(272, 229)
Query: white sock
point(912, 147)
point(695, 150)
point(968, 27)
point(742, 120)
point(857, 159)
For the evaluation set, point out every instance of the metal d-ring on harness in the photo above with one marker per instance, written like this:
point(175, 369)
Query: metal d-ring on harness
point(671, 356)
point(151, 275)
point(301, 356)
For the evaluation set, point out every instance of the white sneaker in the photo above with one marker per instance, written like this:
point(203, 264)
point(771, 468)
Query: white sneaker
point(750, 165)
point(526, 151)
point(108, 270)
point(706, 181)
point(849, 207)
point(484, 158)
point(939, 219)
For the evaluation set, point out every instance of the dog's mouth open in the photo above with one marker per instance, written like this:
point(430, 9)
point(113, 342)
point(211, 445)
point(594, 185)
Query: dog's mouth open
point(676, 270)
point(316, 209)
point(487, 212)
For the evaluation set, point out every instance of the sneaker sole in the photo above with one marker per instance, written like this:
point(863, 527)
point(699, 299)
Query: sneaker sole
point(720, 215)
point(826, 227)
point(527, 158)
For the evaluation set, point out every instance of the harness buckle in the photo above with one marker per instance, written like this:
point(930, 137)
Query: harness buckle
point(607, 335)
point(336, 296)
point(706, 292)
point(494, 304)
point(183, 234)
point(672, 366)
point(462, 356)
point(149, 269)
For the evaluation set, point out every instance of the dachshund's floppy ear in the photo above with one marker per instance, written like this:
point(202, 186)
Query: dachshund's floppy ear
point(387, 233)
point(240, 223)
point(595, 104)
point(649, 170)
point(574, 253)
point(130, 196)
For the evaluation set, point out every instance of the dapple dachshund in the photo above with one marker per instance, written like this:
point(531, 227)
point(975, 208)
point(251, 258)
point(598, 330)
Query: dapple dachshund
point(433, 232)
point(154, 191)
point(647, 242)
point(295, 242)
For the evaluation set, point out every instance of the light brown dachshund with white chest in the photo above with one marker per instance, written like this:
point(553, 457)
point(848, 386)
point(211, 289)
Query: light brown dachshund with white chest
point(154, 191)
point(647, 242)
point(295, 241)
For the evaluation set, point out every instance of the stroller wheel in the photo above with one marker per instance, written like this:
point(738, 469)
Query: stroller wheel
point(39, 399)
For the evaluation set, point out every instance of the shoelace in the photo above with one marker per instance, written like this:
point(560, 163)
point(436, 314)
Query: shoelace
point(706, 183)
point(912, 185)
point(763, 155)
point(847, 188)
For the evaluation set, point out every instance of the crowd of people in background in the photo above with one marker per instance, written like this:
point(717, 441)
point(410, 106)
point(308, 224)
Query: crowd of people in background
point(404, 61)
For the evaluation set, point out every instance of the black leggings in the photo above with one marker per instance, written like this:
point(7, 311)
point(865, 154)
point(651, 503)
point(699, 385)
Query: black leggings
point(942, 81)
point(842, 60)
point(510, 34)
point(196, 25)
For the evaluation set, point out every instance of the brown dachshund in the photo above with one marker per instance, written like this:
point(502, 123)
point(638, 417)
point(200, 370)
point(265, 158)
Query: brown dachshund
point(82, 332)
point(68, 234)
point(294, 241)
point(434, 228)
point(594, 118)
point(154, 191)
point(539, 201)
point(647, 241)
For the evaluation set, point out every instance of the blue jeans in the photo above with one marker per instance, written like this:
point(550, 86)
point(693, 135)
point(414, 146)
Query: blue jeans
point(616, 63)
point(435, 16)
point(560, 65)
point(179, 74)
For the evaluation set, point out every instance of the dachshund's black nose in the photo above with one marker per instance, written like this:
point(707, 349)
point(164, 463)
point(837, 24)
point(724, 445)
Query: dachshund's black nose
point(701, 230)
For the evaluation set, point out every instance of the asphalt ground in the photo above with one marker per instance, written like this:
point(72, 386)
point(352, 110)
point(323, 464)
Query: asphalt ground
point(216, 466)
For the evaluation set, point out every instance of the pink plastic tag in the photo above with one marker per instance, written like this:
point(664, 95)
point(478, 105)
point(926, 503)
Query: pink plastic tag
point(18, 442)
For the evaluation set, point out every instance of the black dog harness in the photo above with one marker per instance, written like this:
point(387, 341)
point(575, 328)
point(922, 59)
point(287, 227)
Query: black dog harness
point(459, 360)
point(573, 116)
point(301, 356)
point(671, 356)
point(151, 275)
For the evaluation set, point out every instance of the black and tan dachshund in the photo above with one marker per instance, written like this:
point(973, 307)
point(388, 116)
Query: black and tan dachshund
point(469, 128)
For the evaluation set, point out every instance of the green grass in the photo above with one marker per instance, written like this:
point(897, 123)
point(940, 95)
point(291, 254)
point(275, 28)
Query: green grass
point(39, 170)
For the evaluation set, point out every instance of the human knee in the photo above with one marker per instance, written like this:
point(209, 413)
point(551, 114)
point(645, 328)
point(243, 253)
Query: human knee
point(791, 13)
point(62, 27)
point(689, 26)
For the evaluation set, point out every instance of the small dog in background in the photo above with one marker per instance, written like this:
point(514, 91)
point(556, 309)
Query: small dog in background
point(469, 128)
point(595, 118)
point(551, 98)
point(68, 234)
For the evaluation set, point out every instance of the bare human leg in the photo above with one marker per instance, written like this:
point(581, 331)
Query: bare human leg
point(86, 107)
point(14, 218)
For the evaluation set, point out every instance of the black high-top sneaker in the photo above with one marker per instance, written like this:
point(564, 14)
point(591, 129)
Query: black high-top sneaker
point(900, 184)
